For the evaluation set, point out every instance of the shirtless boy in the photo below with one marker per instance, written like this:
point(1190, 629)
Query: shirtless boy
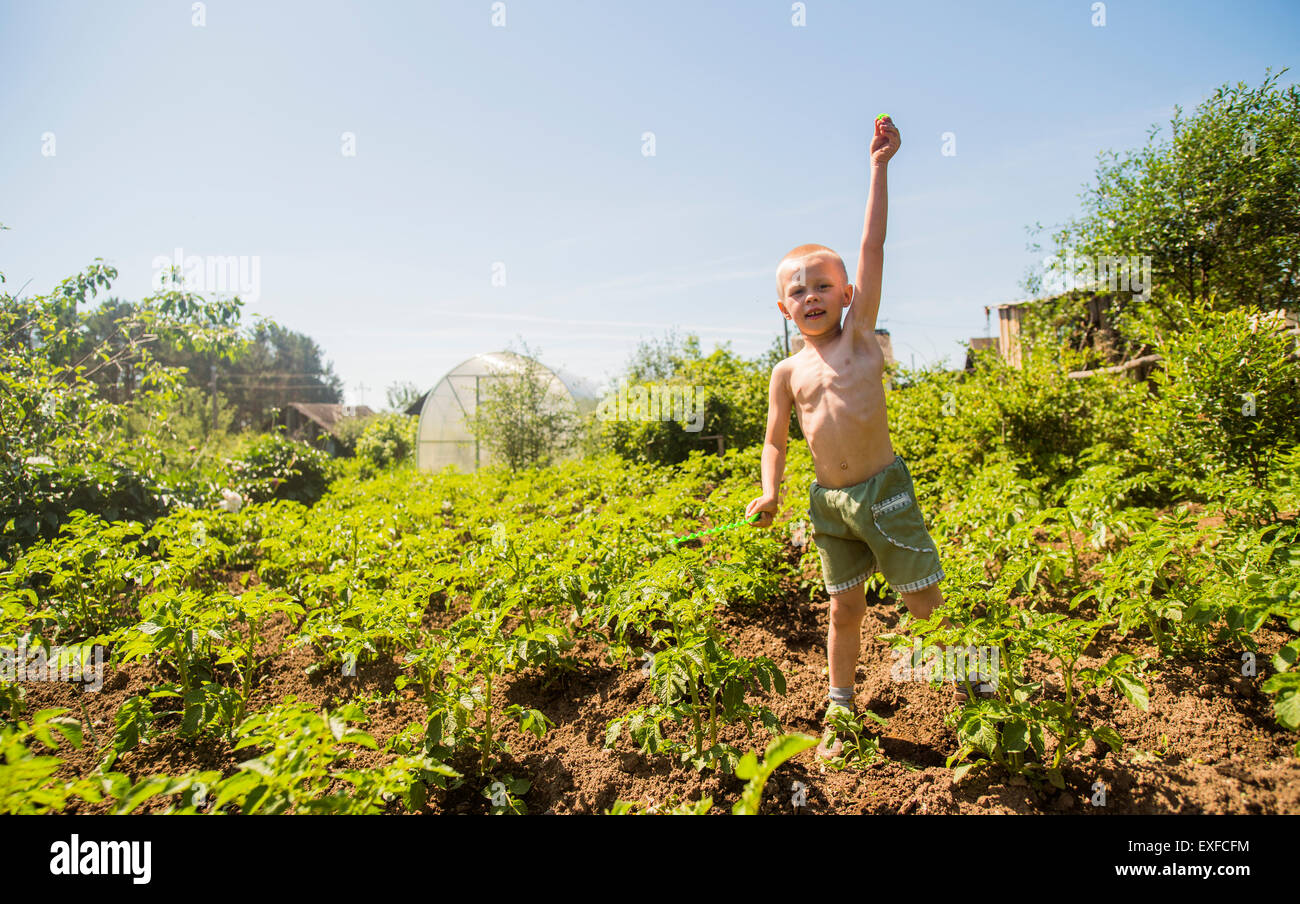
point(862, 503)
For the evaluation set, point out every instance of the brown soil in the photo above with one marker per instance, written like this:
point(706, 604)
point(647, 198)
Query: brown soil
point(1209, 743)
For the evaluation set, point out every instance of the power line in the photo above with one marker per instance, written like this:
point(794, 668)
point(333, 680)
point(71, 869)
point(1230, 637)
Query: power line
point(293, 386)
point(246, 379)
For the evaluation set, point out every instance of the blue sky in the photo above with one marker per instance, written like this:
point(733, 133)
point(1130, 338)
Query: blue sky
point(520, 148)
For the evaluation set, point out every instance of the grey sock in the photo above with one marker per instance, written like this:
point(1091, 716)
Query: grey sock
point(843, 696)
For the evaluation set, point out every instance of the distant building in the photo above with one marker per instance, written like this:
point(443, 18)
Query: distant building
point(445, 411)
point(979, 344)
point(1098, 329)
point(886, 346)
point(316, 423)
point(1098, 333)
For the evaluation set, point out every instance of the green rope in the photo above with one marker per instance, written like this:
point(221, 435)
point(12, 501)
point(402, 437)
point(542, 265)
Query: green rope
point(714, 530)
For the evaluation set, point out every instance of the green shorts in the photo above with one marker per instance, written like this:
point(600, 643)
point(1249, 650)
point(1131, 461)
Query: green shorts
point(873, 526)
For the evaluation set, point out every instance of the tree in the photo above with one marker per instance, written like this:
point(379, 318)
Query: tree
point(401, 395)
point(388, 439)
point(729, 396)
point(278, 366)
point(1216, 205)
point(265, 369)
point(1229, 395)
point(524, 416)
point(63, 443)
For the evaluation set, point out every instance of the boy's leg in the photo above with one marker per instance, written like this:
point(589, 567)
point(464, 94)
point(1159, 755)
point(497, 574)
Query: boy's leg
point(847, 562)
point(924, 601)
point(843, 647)
point(844, 640)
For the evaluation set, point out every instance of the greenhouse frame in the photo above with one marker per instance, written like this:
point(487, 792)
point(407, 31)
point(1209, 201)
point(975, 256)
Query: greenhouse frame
point(444, 437)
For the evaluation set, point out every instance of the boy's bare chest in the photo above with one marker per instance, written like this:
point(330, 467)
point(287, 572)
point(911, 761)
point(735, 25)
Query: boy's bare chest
point(843, 372)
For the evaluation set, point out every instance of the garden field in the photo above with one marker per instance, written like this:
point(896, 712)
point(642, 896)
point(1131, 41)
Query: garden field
point(454, 643)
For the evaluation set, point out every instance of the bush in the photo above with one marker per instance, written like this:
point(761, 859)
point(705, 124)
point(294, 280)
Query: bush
point(729, 395)
point(52, 493)
point(388, 439)
point(1229, 395)
point(945, 423)
point(348, 430)
point(276, 467)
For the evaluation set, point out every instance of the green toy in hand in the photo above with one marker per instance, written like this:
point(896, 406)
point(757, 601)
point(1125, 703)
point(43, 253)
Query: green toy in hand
point(714, 530)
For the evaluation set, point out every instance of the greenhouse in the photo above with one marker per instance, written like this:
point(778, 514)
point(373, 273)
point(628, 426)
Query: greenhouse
point(445, 437)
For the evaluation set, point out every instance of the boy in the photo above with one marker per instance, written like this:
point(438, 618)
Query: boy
point(862, 503)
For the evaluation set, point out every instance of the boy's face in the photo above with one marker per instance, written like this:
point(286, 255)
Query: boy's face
point(815, 295)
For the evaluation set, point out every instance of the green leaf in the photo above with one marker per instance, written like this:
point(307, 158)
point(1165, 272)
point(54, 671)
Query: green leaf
point(360, 738)
point(980, 734)
point(784, 747)
point(1135, 691)
point(1015, 736)
point(1286, 656)
point(1110, 737)
point(1286, 708)
point(747, 768)
point(337, 725)
point(1036, 738)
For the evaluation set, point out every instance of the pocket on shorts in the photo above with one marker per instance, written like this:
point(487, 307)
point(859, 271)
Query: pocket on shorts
point(899, 521)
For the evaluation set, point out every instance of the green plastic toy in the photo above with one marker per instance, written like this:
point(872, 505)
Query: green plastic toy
point(884, 116)
point(714, 530)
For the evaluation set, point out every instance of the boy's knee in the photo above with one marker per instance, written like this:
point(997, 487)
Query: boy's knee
point(922, 602)
point(848, 611)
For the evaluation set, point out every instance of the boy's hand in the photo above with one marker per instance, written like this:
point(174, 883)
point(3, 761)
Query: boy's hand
point(885, 142)
point(767, 506)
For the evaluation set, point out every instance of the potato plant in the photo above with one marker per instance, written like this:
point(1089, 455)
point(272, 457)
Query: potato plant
point(80, 585)
point(703, 686)
point(298, 771)
point(455, 677)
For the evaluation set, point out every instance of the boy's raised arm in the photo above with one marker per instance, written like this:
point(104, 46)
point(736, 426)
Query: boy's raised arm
point(779, 402)
point(871, 258)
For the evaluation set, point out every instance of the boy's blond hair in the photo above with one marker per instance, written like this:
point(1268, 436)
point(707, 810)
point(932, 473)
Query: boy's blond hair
point(788, 262)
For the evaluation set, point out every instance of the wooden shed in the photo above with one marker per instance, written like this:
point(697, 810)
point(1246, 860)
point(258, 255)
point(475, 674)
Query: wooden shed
point(979, 344)
point(316, 423)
